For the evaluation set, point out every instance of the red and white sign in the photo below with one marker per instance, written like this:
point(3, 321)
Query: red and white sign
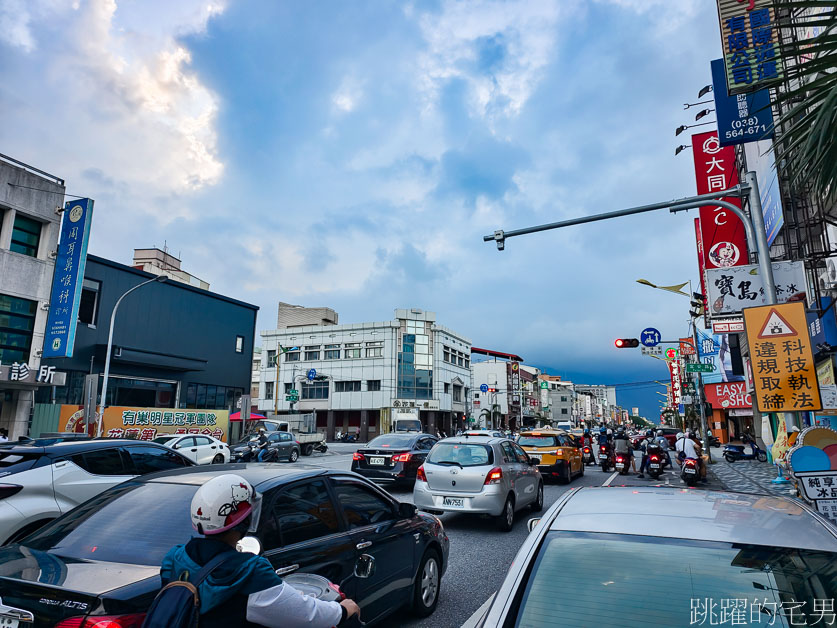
point(727, 326)
point(687, 346)
point(727, 395)
point(676, 369)
point(723, 239)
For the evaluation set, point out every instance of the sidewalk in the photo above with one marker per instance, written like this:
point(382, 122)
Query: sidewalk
point(748, 476)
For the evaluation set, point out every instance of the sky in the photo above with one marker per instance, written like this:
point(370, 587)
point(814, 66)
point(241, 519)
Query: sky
point(353, 154)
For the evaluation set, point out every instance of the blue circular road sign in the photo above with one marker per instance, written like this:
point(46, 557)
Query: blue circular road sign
point(483, 388)
point(650, 337)
point(312, 374)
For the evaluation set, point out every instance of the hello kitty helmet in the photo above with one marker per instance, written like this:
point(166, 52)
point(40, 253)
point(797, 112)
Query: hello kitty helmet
point(224, 502)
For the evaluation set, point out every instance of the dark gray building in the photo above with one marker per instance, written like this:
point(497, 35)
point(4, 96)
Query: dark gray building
point(174, 345)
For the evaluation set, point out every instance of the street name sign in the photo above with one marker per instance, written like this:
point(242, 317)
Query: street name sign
point(700, 367)
point(656, 351)
point(650, 337)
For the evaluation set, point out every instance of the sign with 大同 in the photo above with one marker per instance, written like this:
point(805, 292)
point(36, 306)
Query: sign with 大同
point(784, 374)
point(60, 333)
point(730, 290)
point(749, 36)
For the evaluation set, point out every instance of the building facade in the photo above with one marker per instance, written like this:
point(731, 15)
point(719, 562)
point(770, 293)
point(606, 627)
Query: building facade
point(30, 210)
point(357, 377)
point(290, 316)
point(160, 262)
point(558, 399)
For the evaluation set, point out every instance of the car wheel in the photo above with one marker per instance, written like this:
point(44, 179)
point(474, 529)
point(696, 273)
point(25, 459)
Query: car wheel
point(581, 472)
point(307, 450)
point(294, 455)
point(505, 519)
point(218, 459)
point(426, 587)
point(537, 505)
point(567, 475)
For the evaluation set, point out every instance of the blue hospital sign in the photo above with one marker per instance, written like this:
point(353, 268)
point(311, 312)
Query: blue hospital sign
point(68, 279)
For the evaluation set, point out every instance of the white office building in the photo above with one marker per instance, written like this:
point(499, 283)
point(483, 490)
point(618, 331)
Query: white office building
point(356, 377)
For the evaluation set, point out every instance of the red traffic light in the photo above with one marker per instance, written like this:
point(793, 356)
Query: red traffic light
point(626, 343)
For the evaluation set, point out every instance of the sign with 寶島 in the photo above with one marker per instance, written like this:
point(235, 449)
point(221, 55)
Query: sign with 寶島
point(784, 373)
point(60, 334)
point(730, 290)
point(750, 39)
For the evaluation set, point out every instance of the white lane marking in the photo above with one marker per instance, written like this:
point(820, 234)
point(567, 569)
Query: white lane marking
point(472, 620)
point(610, 479)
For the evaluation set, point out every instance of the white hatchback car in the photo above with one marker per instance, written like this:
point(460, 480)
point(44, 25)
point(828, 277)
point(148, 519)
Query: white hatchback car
point(41, 479)
point(197, 447)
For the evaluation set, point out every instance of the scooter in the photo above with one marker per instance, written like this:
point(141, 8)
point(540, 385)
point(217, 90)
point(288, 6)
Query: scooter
point(690, 471)
point(736, 452)
point(587, 455)
point(321, 447)
point(606, 457)
point(656, 460)
point(622, 464)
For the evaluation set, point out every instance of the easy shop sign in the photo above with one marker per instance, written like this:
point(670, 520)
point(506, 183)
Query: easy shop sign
point(728, 395)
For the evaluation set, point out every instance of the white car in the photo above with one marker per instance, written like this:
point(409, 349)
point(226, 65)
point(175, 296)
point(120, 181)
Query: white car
point(41, 479)
point(197, 447)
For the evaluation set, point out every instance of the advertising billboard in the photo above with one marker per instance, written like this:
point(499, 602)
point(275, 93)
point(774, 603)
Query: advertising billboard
point(741, 117)
point(762, 160)
point(728, 395)
point(732, 289)
point(149, 423)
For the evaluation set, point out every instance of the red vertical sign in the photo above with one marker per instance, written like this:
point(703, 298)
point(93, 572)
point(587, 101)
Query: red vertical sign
point(701, 258)
point(723, 238)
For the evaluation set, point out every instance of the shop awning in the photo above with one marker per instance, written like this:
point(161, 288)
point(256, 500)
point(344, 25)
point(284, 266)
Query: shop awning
point(236, 416)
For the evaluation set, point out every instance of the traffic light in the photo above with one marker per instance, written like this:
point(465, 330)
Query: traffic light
point(491, 390)
point(698, 305)
point(626, 343)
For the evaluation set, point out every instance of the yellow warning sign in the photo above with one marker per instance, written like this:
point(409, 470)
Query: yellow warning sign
point(784, 374)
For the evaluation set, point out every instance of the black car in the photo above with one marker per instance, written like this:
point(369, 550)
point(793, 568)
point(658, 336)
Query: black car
point(102, 559)
point(393, 458)
point(283, 446)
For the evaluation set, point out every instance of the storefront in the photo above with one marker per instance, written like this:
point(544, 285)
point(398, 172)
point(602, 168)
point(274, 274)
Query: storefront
point(732, 410)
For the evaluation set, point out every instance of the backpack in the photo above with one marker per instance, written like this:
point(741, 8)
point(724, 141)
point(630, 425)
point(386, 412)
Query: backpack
point(178, 604)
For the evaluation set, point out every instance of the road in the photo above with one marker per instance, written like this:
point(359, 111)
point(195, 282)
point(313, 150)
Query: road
point(479, 554)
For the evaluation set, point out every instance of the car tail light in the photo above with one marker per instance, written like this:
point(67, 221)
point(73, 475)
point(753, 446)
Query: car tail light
point(357, 456)
point(494, 476)
point(420, 474)
point(405, 457)
point(7, 490)
point(103, 621)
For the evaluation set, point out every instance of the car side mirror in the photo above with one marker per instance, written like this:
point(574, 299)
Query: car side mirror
point(406, 510)
point(364, 566)
point(175, 446)
point(249, 544)
point(533, 462)
point(533, 523)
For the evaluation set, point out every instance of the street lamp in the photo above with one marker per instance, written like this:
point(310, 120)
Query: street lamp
point(101, 421)
point(676, 288)
point(703, 113)
point(681, 148)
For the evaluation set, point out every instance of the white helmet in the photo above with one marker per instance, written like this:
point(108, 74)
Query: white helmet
point(680, 435)
point(223, 503)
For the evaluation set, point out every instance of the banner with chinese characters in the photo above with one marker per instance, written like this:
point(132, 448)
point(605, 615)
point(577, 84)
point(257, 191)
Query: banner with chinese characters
point(722, 234)
point(675, 367)
point(149, 423)
point(729, 290)
point(60, 334)
point(741, 118)
point(749, 36)
point(784, 374)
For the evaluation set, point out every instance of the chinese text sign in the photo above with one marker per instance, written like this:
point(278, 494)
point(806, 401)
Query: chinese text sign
point(741, 117)
point(750, 39)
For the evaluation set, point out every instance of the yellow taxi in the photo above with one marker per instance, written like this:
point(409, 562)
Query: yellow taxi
point(560, 457)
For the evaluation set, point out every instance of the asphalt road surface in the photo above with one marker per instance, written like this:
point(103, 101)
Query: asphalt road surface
point(479, 554)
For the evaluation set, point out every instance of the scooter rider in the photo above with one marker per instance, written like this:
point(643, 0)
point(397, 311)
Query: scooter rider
point(649, 438)
point(686, 448)
point(662, 441)
point(621, 445)
point(243, 590)
point(262, 441)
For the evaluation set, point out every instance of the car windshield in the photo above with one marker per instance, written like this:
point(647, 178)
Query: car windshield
point(461, 454)
point(135, 523)
point(538, 441)
point(761, 585)
point(392, 440)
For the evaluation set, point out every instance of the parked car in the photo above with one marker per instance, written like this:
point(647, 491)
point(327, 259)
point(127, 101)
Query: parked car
point(197, 447)
point(393, 457)
point(41, 479)
point(283, 443)
point(771, 552)
point(485, 475)
point(559, 456)
point(103, 558)
point(489, 433)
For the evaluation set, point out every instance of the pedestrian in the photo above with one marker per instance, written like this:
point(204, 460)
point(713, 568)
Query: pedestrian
point(242, 589)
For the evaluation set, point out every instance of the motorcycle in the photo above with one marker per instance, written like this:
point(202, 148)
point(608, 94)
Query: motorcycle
point(251, 454)
point(321, 447)
point(606, 457)
point(656, 460)
point(622, 464)
point(736, 452)
point(690, 471)
point(587, 455)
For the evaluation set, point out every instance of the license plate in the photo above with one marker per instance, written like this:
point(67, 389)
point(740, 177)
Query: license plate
point(455, 502)
point(377, 460)
point(690, 471)
point(8, 622)
point(654, 465)
point(619, 465)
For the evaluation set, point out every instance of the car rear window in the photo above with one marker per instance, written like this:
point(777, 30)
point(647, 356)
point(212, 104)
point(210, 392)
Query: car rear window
point(463, 454)
point(133, 523)
point(392, 440)
point(14, 462)
point(538, 441)
point(162, 440)
point(608, 589)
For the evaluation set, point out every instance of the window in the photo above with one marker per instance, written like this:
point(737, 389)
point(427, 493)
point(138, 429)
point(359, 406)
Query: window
point(521, 455)
point(508, 452)
point(563, 398)
point(315, 390)
point(374, 352)
point(332, 352)
point(464, 455)
point(563, 411)
point(447, 388)
point(423, 359)
point(17, 320)
point(461, 360)
point(292, 356)
point(26, 234)
point(151, 459)
point(239, 344)
point(202, 441)
point(467, 363)
point(446, 354)
point(312, 353)
point(102, 462)
point(352, 350)
point(268, 390)
point(457, 393)
point(288, 387)
point(353, 386)
point(373, 385)
point(300, 513)
point(271, 358)
point(361, 504)
point(88, 308)
point(415, 327)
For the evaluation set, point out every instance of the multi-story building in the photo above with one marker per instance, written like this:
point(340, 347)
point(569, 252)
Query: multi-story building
point(356, 377)
point(30, 209)
point(255, 376)
point(161, 262)
point(558, 399)
point(290, 316)
point(602, 400)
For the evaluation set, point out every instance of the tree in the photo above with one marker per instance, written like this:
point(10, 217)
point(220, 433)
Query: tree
point(808, 107)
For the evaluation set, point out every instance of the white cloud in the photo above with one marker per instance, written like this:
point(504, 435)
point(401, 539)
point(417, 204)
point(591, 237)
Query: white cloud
point(348, 95)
